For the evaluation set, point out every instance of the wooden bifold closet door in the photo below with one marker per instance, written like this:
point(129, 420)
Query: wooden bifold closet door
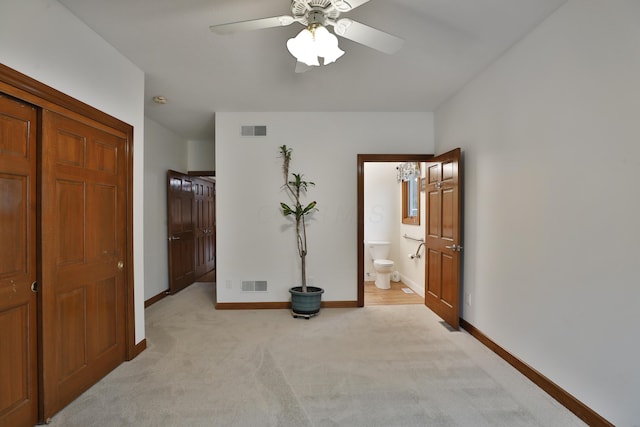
point(18, 269)
point(66, 279)
point(83, 254)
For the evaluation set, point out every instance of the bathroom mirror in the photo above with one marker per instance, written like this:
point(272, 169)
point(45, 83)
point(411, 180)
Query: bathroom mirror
point(411, 200)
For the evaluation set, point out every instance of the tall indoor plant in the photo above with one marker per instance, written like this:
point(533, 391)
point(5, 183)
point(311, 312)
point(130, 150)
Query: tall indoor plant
point(305, 300)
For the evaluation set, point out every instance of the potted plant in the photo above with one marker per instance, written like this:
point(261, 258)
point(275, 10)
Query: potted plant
point(305, 300)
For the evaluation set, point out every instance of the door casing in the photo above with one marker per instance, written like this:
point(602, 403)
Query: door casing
point(362, 159)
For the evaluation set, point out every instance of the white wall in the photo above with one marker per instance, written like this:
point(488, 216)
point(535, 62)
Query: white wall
point(201, 156)
point(551, 141)
point(42, 39)
point(412, 270)
point(255, 242)
point(164, 150)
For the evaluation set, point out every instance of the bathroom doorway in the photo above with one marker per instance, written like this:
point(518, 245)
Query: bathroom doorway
point(380, 219)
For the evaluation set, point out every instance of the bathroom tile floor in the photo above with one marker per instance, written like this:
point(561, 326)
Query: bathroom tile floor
point(393, 296)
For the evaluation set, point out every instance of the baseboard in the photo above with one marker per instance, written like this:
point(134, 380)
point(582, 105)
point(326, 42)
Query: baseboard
point(252, 305)
point(278, 305)
point(339, 304)
point(582, 411)
point(413, 285)
point(155, 299)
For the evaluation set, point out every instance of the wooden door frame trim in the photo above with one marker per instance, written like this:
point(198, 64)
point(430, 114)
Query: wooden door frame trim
point(370, 158)
point(29, 90)
point(203, 174)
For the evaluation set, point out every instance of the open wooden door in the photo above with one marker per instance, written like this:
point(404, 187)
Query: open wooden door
point(84, 254)
point(443, 237)
point(18, 305)
point(181, 230)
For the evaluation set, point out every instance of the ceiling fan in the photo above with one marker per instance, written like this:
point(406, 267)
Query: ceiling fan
point(315, 41)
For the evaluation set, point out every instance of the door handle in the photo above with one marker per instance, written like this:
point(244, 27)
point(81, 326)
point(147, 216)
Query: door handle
point(455, 248)
point(174, 238)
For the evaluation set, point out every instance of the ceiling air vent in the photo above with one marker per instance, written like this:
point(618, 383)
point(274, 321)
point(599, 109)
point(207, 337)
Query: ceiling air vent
point(253, 130)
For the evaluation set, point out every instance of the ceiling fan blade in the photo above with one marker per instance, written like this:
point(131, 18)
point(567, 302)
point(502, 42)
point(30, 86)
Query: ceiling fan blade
point(254, 24)
point(368, 36)
point(301, 67)
point(347, 5)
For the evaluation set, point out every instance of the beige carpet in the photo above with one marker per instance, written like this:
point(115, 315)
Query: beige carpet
point(373, 366)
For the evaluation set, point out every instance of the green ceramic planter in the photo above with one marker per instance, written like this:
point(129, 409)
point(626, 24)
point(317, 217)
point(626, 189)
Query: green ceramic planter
point(306, 303)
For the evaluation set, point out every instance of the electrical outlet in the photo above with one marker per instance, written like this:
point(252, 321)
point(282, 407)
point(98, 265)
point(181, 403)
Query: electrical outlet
point(467, 298)
point(228, 284)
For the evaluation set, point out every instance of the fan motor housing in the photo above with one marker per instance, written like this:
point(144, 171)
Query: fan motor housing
point(310, 12)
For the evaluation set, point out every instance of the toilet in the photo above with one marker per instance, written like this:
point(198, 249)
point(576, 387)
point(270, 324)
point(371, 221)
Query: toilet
point(379, 251)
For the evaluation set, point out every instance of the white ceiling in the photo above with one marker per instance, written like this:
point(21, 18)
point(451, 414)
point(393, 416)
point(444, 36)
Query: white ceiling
point(447, 43)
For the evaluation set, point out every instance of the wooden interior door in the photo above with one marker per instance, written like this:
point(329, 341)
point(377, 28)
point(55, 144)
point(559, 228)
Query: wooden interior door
point(204, 201)
point(83, 199)
point(18, 305)
point(443, 237)
point(181, 230)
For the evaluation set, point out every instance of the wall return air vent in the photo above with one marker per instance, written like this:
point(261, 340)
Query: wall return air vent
point(253, 130)
point(254, 286)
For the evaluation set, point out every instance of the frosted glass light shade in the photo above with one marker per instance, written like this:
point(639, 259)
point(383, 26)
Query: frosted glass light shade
point(308, 45)
point(327, 45)
point(302, 48)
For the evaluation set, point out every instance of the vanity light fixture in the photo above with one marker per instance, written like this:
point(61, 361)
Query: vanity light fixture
point(408, 171)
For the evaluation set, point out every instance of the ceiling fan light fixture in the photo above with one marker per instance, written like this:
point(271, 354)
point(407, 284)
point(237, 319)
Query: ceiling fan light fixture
point(342, 5)
point(302, 48)
point(327, 45)
point(313, 42)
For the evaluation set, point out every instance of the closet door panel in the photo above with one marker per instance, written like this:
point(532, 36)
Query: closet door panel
point(18, 304)
point(84, 248)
